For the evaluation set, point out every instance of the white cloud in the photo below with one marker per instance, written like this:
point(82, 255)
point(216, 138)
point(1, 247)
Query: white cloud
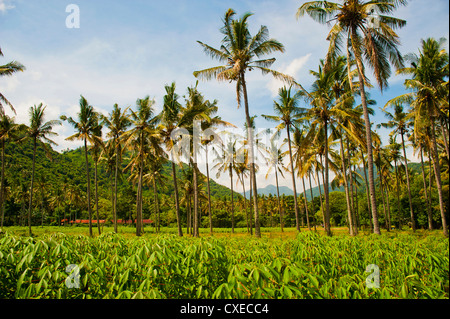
point(292, 69)
point(5, 5)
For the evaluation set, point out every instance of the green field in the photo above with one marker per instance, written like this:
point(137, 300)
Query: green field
point(305, 265)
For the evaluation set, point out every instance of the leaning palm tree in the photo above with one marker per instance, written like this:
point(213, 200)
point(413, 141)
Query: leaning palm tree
point(86, 129)
point(241, 53)
point(8, 70)
point(143, 121)
point(117, 122)
point(401, 122)
point(38, 132)
point(288, 113)
point(372, 40)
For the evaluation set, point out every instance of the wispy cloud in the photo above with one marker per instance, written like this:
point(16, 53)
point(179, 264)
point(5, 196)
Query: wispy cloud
point(5, 5)
point(292, 69)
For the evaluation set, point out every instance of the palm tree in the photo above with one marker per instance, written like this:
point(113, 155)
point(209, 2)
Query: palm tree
point(143, 121)
point(375, 42)
point(226, 162)
point(394, 155)
point(400, 121)
point(117, 122)
point(168, 124)
point(241, 53)
point(97, 148)
point(275, 163)
point(198, 110)
point(288, 113)
point(8, 131)
point(86, 130)
point(429, 99)
point(38, 132)
point(8, 70)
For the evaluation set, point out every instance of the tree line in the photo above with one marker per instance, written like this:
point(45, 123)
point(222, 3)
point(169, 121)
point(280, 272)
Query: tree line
point(332, 132)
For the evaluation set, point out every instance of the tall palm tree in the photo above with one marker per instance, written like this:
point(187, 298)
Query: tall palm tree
point(376, 43)
point(8, 70)
point(288, 113)
point(117, 122)
point(143, 121)
point(197, 111)
point(97, 149)
point(38, 132)
point(241, 53)
point(8, 131)
point(86, 130)
point(275, 162)
point(400, 121)
point(429, 73)
point(168, 124)
point(226, 162)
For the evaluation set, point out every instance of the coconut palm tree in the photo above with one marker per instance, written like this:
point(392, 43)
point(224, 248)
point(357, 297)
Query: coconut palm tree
point(167, 125)
point(429, 73)
point(372, 41)
point(8, 70)
point(8, 131)
point(197, 111)
point(38, 132)
point(288, 113)
point(400, 121)
point(86, 130)
point(97, 149)
point(143, 121)
point(227, 162)
point(275, 162)
point(241, 53)
point(117, 122)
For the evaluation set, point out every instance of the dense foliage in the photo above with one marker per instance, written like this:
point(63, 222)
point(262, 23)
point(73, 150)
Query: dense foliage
point(309, 266)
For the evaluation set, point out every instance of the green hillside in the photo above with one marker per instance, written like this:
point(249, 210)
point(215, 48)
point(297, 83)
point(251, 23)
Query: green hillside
point(67, 171)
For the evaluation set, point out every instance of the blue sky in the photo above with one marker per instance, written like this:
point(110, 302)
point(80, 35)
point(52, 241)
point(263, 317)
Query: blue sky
point(126, 50)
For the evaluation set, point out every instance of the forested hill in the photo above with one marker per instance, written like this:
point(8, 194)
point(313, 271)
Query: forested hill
point(69, 169)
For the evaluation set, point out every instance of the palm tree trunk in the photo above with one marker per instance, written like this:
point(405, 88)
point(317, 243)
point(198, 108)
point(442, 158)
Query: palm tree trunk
point(115, 187)
point(368, 125)
point(293, 180)
point(366, 182)
point(413, 223)
point(196, 215)
point(388, 205)
point(88, 187)
point(326, 187)
point(347, 195)
point(445, 134)
point(2, 187)
point(156, 206)
point(306, 204)
point(31, 187)
point(139, 192)
point(96, 199)
point(177, 203)
point(251, 157)
point(232, 199)
point(320, 197)
point(437, 174)
point(209, 192)
point(425, 188)
point(278, 201)
point(398, 195)
point(250, 205)
point(312, 201)
point(245, 203)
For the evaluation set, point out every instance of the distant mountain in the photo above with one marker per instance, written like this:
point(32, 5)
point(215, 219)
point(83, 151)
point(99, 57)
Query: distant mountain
point(271, 189)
